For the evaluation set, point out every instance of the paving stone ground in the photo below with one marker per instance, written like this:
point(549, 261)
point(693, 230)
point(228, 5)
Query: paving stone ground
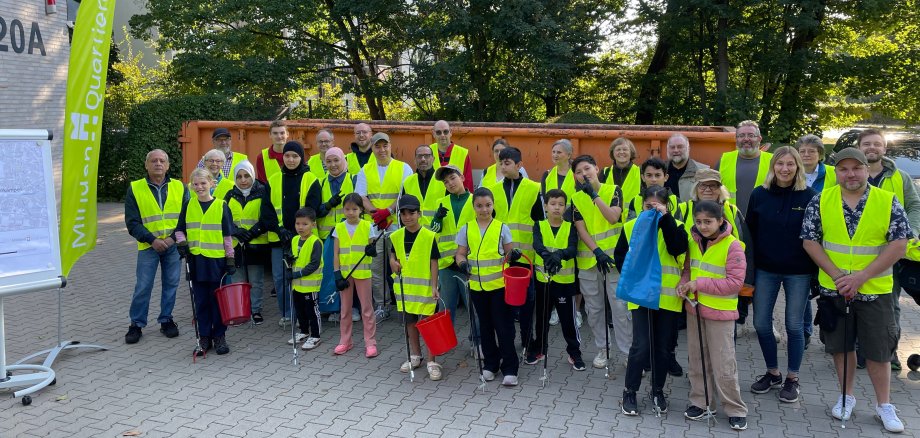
point(154, 389)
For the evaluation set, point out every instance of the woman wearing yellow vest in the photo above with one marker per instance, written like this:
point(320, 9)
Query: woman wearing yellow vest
point(481, 248)
point(415, 281)
point(555, 242)
point(623, 173)
point(204, 236)
point(351, 239)
point(249, 238)
point(560, 176)
point(712, 276)
point(654, 330)
point(306, 277)
point(214, 162)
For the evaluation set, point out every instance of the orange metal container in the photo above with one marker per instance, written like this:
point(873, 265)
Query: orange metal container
point(707, 143)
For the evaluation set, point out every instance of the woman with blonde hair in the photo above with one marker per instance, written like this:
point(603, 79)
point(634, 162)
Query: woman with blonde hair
point(775, 215)
point(623, 172)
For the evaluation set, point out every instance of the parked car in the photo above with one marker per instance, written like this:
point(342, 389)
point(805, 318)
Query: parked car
point(903, 147)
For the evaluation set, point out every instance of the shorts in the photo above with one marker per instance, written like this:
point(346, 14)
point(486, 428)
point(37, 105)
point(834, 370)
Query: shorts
point(872, 322)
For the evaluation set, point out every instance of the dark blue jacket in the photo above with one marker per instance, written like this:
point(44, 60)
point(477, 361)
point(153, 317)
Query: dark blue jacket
point(775, 221)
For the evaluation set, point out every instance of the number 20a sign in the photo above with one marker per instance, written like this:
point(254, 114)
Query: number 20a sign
point(18, 38)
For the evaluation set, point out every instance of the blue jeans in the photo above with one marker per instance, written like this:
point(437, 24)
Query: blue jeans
point(766, 288)
point(284, 300)
point(147, 262)
point(452, 291)
point(256, 277)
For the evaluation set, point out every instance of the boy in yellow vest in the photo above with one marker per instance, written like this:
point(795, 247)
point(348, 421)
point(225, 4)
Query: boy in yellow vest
point(306, 275)
point(416, 282)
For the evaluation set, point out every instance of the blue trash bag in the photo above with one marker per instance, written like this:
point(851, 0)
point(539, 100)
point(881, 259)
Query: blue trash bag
point(329, 300)
point(640, 279)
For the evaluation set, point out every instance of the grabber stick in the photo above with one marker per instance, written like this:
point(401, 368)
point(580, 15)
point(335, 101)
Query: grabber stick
point(544, 346)
point(402, 296)
point(474, 332)
point(191, 293)
point(710, 415)
point(651, 351)
point(288, 280)
point(846, 354)
point(606, 328)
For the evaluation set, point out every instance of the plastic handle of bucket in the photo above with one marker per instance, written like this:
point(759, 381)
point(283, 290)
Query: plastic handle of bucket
point(505, 262)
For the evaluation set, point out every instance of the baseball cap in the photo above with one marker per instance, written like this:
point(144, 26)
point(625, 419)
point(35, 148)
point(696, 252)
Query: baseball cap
point(708, 175)
point(851, 153)
point(380, 136)
point(220, 132)
point(409, 202)
point(444, 171)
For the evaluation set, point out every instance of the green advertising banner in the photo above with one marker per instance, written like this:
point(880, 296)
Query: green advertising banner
point(89, 60)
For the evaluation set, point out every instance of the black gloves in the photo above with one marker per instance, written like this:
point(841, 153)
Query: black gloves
point(285, 235)
point(335, 200)
point(230, 265)
point(297, 273)
point(604, 262)
point(370, 250)
point(588, 189)
point(552, 263)
point(441, 213)
point(465, 267)
point(340, 282)
point(515, 255)
point(182, 247)
point(243, 235)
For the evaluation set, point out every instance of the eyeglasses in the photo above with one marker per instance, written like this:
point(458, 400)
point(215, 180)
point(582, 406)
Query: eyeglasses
point(746, 135)
point(709, 187)
point(214, 161)
point(440, 132)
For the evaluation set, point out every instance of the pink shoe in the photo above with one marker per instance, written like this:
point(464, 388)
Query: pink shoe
point(370, 351)
point(342, 348)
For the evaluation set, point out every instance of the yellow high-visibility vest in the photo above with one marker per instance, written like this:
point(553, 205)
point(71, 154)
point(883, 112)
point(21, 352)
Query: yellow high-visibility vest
point(316, 167)
point(447, 237)
point(204, 230)
point(728, 167)
point(517, 214)
point(302, 254)
point(237, 158)
point(274, 183)
point(604, 233)
point(457, 157)
point(568, 184)
point(271, 165)
point(894, 184)
point(159, 221)
point(415, 286)
point(729, 211)
point(670, 272)
point(247, 217)
point(484, 259)
point(328, 222)
point(851, 254)
point(383, 193)
point(631, 187)
point(354, 166)
point(351, 249)
point(430, 200)
point(223, 187)
point(712, 265)
point(556, 242)
point(489, 177)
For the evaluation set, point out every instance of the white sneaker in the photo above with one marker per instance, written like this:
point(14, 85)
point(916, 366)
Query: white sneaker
point(554, 318)
point(434, 370)
point(297, 338)
point(416, 362)
point(488, 375)
point(355, 315)
point(600, 361)
point(510, 381)
point(334, 317)
point(836, 412)
point(310, 343)
point(578, 320)
point(888, 415)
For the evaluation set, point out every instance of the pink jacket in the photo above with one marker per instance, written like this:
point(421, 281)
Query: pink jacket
point(735, 267)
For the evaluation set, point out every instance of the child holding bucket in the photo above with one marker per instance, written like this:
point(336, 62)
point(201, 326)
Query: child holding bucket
point(653, 330)
point(414, 260)
point(555, 242)
point(481, 247)
point(306, 277)
point(203, 236)
point(351, 238)
point(713, 274)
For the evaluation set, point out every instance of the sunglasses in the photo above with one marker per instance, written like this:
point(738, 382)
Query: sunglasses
point(440, 132)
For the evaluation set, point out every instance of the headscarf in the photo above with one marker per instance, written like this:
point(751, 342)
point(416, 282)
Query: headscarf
point(244, 165)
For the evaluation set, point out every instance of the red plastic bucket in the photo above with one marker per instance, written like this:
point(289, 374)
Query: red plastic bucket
point(233, 300)
point(438, 332)
point(517, 281)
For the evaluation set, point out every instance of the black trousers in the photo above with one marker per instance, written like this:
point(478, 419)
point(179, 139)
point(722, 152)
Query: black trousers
point(561, 298)
point(653, 331)
point(496, 321)
point(525, 312)
point(307, 310)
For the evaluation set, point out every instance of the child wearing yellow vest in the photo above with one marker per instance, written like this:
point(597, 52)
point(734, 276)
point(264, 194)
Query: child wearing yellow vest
point(555, 242)
point(654, 330)
point(713, 274)
point(482, 245)
point(654, 172)
point(203, 236)
point(306, 278)
point(415, 281)
point(352, 239)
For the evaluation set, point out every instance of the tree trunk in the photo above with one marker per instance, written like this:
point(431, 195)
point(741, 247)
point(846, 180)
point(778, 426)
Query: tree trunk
point(650, 86)
point(722, 66)
point(791, 106)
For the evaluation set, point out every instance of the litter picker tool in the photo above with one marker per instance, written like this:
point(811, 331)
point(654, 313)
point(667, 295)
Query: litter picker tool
point(544, 346)
point(651, 353)
point(474, 332)
point(846, 354)
point(402, 296)
point(191, 293)
point(710, 416)
point(606, 329)
point(288, 256)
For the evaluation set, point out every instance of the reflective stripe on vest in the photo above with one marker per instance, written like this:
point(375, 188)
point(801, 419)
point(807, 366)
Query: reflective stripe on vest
point(728, 167)
point(276, 196)
point(568, 183)
point(351, 249)
point(415, 285)
point(711, 264)
point(303, 253)
point(484, 258)
point(604, 233)
point(670, 272)
point(159, 222)
point(384, 193)
point(458, 156)
point(517, 214)
point(856, 253)
point(246, 217)
point(447, 237)
point(556, 242)
point(330, 220)
point(271, 165)
point(204, 229)
point(431, 199)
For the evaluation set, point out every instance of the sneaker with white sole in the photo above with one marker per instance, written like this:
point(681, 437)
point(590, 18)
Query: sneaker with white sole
point(888, 415)
point(488, 376)
point(554, 318)
point(381, 314)
point(510, 381)
point(416, 361)
point(310, 343)
point(578, 320)
point(355, 315)
point(600, 361)
point(297, 338)
point(837, 411)
point(434, 370)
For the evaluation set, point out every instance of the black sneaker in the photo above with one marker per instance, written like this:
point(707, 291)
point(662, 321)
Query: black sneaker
point(578, 364)
point(629, 404)
point(675, 369)
point(737, 423)
point(169, 329)
point(273, 293)
point(860, 362)
point(220, 346)
point(257, 318)
point(766, 382)
point(134, 334)
point(695, 413)
point(790, 391)
point(204, 345)
point(895, 364)
point(533, 358)
point(660, 401)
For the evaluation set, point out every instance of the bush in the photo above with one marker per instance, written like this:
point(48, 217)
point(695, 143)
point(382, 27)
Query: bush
point(577, 117)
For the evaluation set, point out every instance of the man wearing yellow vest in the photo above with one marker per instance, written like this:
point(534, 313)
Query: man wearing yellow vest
point(451, 153)
point(361, 152)
point(380, 182)
point(423, 185)
point(884, 174)
point(271, 160)
point(222, 141)
point(855, 233)
point(744, 168)
point(152, 207)
point(317, 163)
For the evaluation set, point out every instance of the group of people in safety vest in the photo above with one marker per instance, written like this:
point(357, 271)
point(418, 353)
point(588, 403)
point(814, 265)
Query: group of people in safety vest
point(369, 229)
